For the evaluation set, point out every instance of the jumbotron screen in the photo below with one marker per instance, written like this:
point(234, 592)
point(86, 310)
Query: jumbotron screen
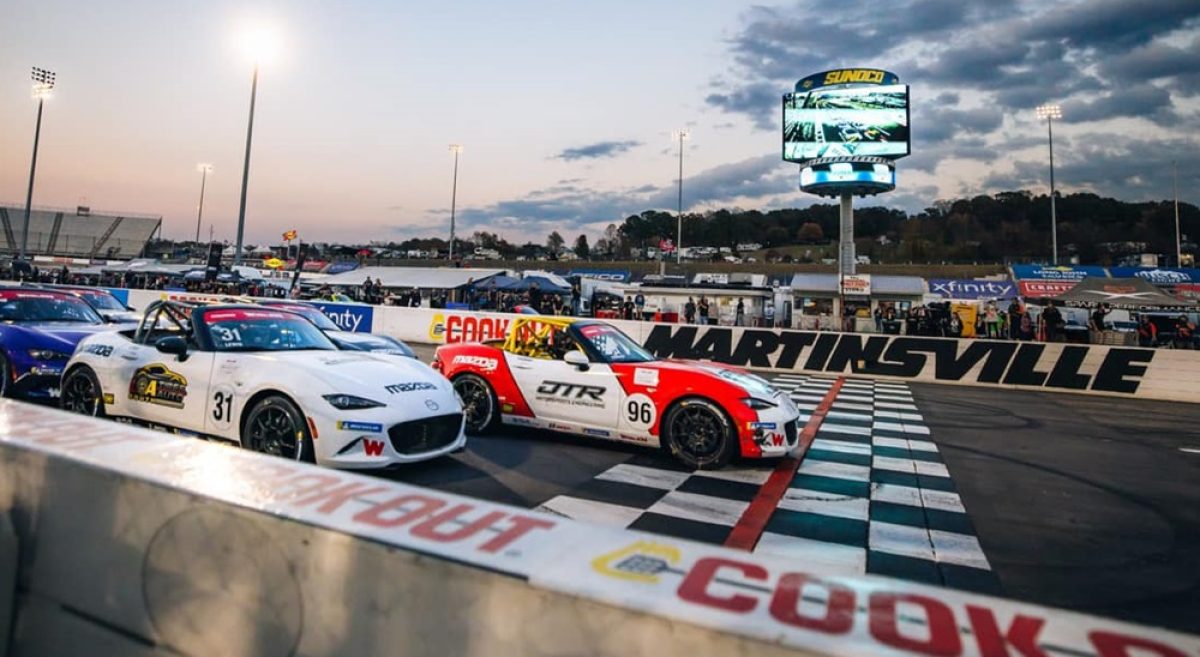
point(844, 122)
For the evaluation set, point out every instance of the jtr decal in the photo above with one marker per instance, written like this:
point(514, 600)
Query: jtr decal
point(574, 394)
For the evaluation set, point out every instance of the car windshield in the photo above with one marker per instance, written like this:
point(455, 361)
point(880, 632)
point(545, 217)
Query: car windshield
point(102, 301)
point(263, 330)
point(613, 345)
point(314, 315)
point(20, 306)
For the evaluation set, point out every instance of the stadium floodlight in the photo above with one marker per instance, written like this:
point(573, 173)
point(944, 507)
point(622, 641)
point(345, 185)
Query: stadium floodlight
point(1050, 112)
point(204, 170)
point(261, 43)
point(43, 84)
point(681, 136)
point(456, 149)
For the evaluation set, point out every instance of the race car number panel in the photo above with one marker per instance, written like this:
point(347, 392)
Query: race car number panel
point(221, 407)
point(639, 414)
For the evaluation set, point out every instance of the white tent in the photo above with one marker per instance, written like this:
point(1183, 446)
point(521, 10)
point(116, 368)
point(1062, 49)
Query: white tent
point(424, 278)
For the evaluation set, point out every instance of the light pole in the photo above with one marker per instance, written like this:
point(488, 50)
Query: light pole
point(1051, 112)
point(260, 43)
point(43, 84)
point(1178, 235)
point(682, 136)
point(456, 149)
point(204, 170)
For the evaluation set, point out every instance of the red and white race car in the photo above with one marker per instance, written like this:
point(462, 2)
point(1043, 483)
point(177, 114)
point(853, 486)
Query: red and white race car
point(588, 378)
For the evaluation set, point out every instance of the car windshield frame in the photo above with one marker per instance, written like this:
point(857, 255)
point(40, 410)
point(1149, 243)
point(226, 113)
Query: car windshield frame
point(87, 314)
point(101, 300)
point(637, 353)
point(315, 339)
point(307, 312)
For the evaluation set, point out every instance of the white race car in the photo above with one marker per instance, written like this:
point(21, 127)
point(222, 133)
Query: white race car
point(268, 380)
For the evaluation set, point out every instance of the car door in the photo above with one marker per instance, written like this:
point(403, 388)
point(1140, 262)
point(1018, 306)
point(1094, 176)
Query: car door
point(164, 388)
point(584, 399)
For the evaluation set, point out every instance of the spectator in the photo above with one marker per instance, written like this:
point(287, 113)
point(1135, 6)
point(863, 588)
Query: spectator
point(1051, 323)
point(956, 326)
point(1096, 323)
point(535, 296)
point(575, 296)
point(878, 314)
point(1185, 332)
point(556, 304)
point(991, 320)
point(769, 311)
point(1025, 330)
point(1014, 318)
point(689, 311)
point(739, 318)
point(639, 303)
point(627, 308)
point(1147, 332)
point(702, 309)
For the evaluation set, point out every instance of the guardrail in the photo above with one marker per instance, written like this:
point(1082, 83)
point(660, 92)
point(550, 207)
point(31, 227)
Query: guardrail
point(135, 542)
point(1056, 367)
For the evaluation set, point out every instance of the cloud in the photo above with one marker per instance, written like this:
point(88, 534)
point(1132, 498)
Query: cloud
point(600, 149)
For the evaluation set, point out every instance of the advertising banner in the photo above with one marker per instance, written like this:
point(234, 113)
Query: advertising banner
point(1158, 275)
point(602, 274)
point(949, 288)
point(1059, 273)
point(1037, 289)
point(353, 317)
point(856, 284)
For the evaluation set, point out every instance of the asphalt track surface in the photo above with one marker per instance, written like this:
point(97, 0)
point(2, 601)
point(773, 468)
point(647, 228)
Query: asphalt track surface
point(1078, 502)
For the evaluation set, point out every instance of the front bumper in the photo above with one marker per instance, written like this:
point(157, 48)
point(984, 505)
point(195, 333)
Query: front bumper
point(776, 432)
point(366, 441)
point(39, 381)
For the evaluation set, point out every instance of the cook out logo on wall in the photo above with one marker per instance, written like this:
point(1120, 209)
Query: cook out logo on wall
point(988, 362)
point(454, 328)
point(643, 561)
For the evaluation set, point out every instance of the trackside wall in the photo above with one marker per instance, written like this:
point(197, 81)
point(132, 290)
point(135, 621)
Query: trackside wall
point(1087, 369)
point(137, 543)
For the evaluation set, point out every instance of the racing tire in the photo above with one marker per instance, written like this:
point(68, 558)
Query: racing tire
point(81, 393)
point(481, 408)
point(274, 426)
point(699, 434)
point(5, 377)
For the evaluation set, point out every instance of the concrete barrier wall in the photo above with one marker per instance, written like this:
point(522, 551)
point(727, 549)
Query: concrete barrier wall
point(1089, 369)
point(139, 543)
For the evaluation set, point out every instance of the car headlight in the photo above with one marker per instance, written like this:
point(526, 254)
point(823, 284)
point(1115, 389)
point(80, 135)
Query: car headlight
point(48, 354)
point(350, 402)
point(759, 404)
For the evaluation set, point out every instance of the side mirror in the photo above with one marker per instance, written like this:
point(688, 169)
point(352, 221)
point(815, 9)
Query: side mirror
point(577, 358)
point(172, 344)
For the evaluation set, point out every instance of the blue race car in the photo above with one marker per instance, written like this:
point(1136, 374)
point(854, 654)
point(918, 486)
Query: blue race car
point(39, 330)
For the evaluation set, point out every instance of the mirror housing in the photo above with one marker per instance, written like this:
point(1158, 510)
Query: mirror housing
point(172, 344)
point(577, 358)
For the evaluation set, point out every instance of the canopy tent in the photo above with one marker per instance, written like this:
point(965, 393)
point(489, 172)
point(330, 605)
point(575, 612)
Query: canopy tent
point(544, 284)
point(497, 282)
point(425, 278)
point(1122, 294)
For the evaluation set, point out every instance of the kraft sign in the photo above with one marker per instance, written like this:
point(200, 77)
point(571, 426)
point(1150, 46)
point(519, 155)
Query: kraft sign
point(1025, 364)
point(971, 289)
point(355, 318)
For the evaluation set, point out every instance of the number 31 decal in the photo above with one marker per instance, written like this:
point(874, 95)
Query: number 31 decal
point(222, 406)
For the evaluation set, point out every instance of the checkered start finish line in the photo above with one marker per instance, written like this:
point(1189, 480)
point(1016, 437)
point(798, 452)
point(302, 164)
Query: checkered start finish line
point(871, 494)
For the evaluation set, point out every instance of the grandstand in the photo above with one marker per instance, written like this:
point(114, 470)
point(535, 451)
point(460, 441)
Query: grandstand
point(76, 233)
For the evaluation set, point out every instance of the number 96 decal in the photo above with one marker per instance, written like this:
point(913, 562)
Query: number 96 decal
point(639, 412)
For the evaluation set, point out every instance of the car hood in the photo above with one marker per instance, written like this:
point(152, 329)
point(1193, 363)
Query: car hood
point(57, 335)
point(364, 341)
point(381, 377)
point(753, 384)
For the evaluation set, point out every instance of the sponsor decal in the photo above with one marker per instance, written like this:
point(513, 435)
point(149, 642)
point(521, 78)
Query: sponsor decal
point(574, 394)
point(372, 447)
point(414, 386)
point(1158, 276)
point(971, 289)
point(634, 438)
point(101, 350)
point(599, 433)
point(431, 405)
point(351, 425)
point(1007, 363)
point(109, 398)
point(506, 408)
point(762, 425)
point(453, 328)
point(157, 384)
point(523, 421)
point(645, 376)
point(349, 317)
point(1044, 288)
point(643, 561)
point(483, 363)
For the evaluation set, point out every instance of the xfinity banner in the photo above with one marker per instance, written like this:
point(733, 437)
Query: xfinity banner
point(353, 317)
point(1025, 364)
point(972, 289)
point(1158, 276)
point(1061, 273)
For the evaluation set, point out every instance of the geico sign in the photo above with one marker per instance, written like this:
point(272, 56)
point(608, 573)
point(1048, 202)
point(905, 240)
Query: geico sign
point(1008, 363)
point(798, 600)
point(452, 328)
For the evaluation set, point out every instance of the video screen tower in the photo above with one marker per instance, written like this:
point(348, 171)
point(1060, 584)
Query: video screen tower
point(846, 128)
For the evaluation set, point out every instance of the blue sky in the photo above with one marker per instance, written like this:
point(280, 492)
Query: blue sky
point(566, 108)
